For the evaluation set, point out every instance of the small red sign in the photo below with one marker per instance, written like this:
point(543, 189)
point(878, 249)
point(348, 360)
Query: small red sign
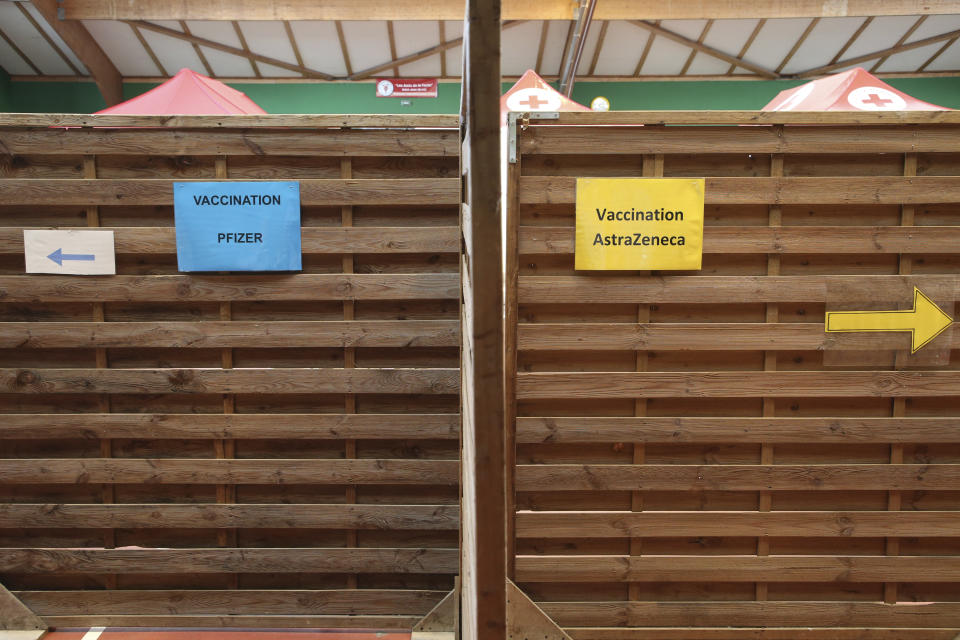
point(406, 87)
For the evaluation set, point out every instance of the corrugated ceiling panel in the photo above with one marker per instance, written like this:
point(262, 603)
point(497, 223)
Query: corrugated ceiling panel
point(553, 50)
point(319, 46)
point(31, 41)
point(122, 47)
point(174, 54)
point(54, 36)
point(413, 36)
point(823, 43)
point(774, 41)
point(728, 36)
point(367, 43)
point(518, 47)
point(224, 64)
point(621, 49)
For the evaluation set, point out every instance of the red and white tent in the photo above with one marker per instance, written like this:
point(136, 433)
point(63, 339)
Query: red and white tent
point(188, 93)
point(853, 90)
point(533, 93)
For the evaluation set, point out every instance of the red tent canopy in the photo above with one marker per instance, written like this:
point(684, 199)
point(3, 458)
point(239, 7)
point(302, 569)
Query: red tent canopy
point(853, 90)
point(188, 93)
point(532, 93)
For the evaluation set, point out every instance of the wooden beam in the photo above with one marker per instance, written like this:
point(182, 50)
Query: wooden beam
point(343, 48)
point(393, 47)
point(19, 52)
point(150, 52)
point(201, 55)
point(853, 38)
point(526, 620)
point(173, 33)
point(46, 36)
point(512, 9)
point(246, 49)
point(797, 45)
point(710, 51)
point(746, 45)
point(693, 53)
point(903, 38)
point(15, 616)
point(646, 51)
point(598, 47)
point(916, 44)
point(76, 36)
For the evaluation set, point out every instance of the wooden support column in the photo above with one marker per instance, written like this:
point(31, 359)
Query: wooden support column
point(765, 500)
point(483, 547)
point(226, 493)
point(107, 491)
point(511, 313)
point(349, 360)
point(899, 408)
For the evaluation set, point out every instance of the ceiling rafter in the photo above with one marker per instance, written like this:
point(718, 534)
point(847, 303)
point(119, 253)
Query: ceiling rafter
point(293, 43)
point(19, 52)
point(393, 47)
point(693, 52)
point(198, 50)
point(247, 53)
point(150, 52)
point(212, 44)
point(343, 48)
point(86, 49)
point(899, 42)
point(853, 38)
point(442, 30)
point(646, 51)
point(710, 51)
point(544, 28)
point(946, 45)
point(746, 45)
point(599, 46)
point(796, 45)
point(566, 43)
point(916, 44)
point(46, 36)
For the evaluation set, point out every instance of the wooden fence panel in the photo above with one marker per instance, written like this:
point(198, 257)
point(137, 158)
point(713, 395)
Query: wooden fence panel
point(253, 450)
point(690, 464)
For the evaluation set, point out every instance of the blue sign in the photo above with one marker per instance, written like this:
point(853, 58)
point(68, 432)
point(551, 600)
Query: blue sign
point(237, 226)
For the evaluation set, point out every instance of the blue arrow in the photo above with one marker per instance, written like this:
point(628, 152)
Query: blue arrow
point(59, 256)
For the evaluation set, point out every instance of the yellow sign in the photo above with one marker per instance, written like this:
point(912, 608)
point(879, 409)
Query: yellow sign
point(924, 322)
point(639, 223)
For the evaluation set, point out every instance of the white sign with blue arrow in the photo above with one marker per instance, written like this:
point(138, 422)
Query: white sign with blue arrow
point(70, 251)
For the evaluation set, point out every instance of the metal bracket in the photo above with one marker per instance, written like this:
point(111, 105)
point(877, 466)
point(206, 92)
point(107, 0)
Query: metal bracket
point(526, 117)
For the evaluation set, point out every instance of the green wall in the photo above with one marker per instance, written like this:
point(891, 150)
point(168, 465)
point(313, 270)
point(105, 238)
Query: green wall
point(83, 97)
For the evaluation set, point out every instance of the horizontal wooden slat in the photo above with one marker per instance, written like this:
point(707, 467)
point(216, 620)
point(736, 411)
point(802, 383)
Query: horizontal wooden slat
point(754, 633)
point(253, 142)
point(241, 426)
point(806, 190)
point(203, 335)
point(228, 121)
point(215, 621)
point(813, 524)
point(779, 240)
point(237, 602)
point(715, 140)
point(740, 614)
point(327, 192)
point(724, 429)
point(738, 568)
point(250, 516)
point(228, 471)
point(215, 288)
point(246, 560)
point(682, 289)
point(736, 384)
point(314, 240)
point(229, 380)
point(683, 477)
point(752, 117)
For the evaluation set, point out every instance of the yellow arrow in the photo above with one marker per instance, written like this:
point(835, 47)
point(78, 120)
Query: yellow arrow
point(924, 322)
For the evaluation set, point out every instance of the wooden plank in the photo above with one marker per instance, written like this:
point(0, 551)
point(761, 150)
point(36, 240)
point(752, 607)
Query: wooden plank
point(763, 190)
point(427, 381)
point(784, 614)
point(232, 602)
point(779, 477)
point(374, 517)
point(308, 121)
point(247, 560)
point(15, 616)
point(239, 622)
point(512, 9)
point(221, 334)
point(808, 524)
point(701, 117)
point(717, 289)
point(742, 429)
point(526, 620)
point(710, 140)
point(754, 633)
point(249, 142)
point(779, 240)
point(286, 426)
point(218, 288)
point(443, 618)
point(314, 240)
point(735, 384)
point(697, 336)
point(228, 471)
point(738, 568)
point(157, 191)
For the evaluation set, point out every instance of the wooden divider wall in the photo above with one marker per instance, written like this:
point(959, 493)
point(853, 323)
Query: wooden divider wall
point(690, 464)
point(264, 449)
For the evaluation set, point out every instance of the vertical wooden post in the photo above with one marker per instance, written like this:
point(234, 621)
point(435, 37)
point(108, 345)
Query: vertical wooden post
point(349, 360)
point(107, 492)
point(510, 315)
point(483, 547)
point(765, 500)
point(226, 494)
